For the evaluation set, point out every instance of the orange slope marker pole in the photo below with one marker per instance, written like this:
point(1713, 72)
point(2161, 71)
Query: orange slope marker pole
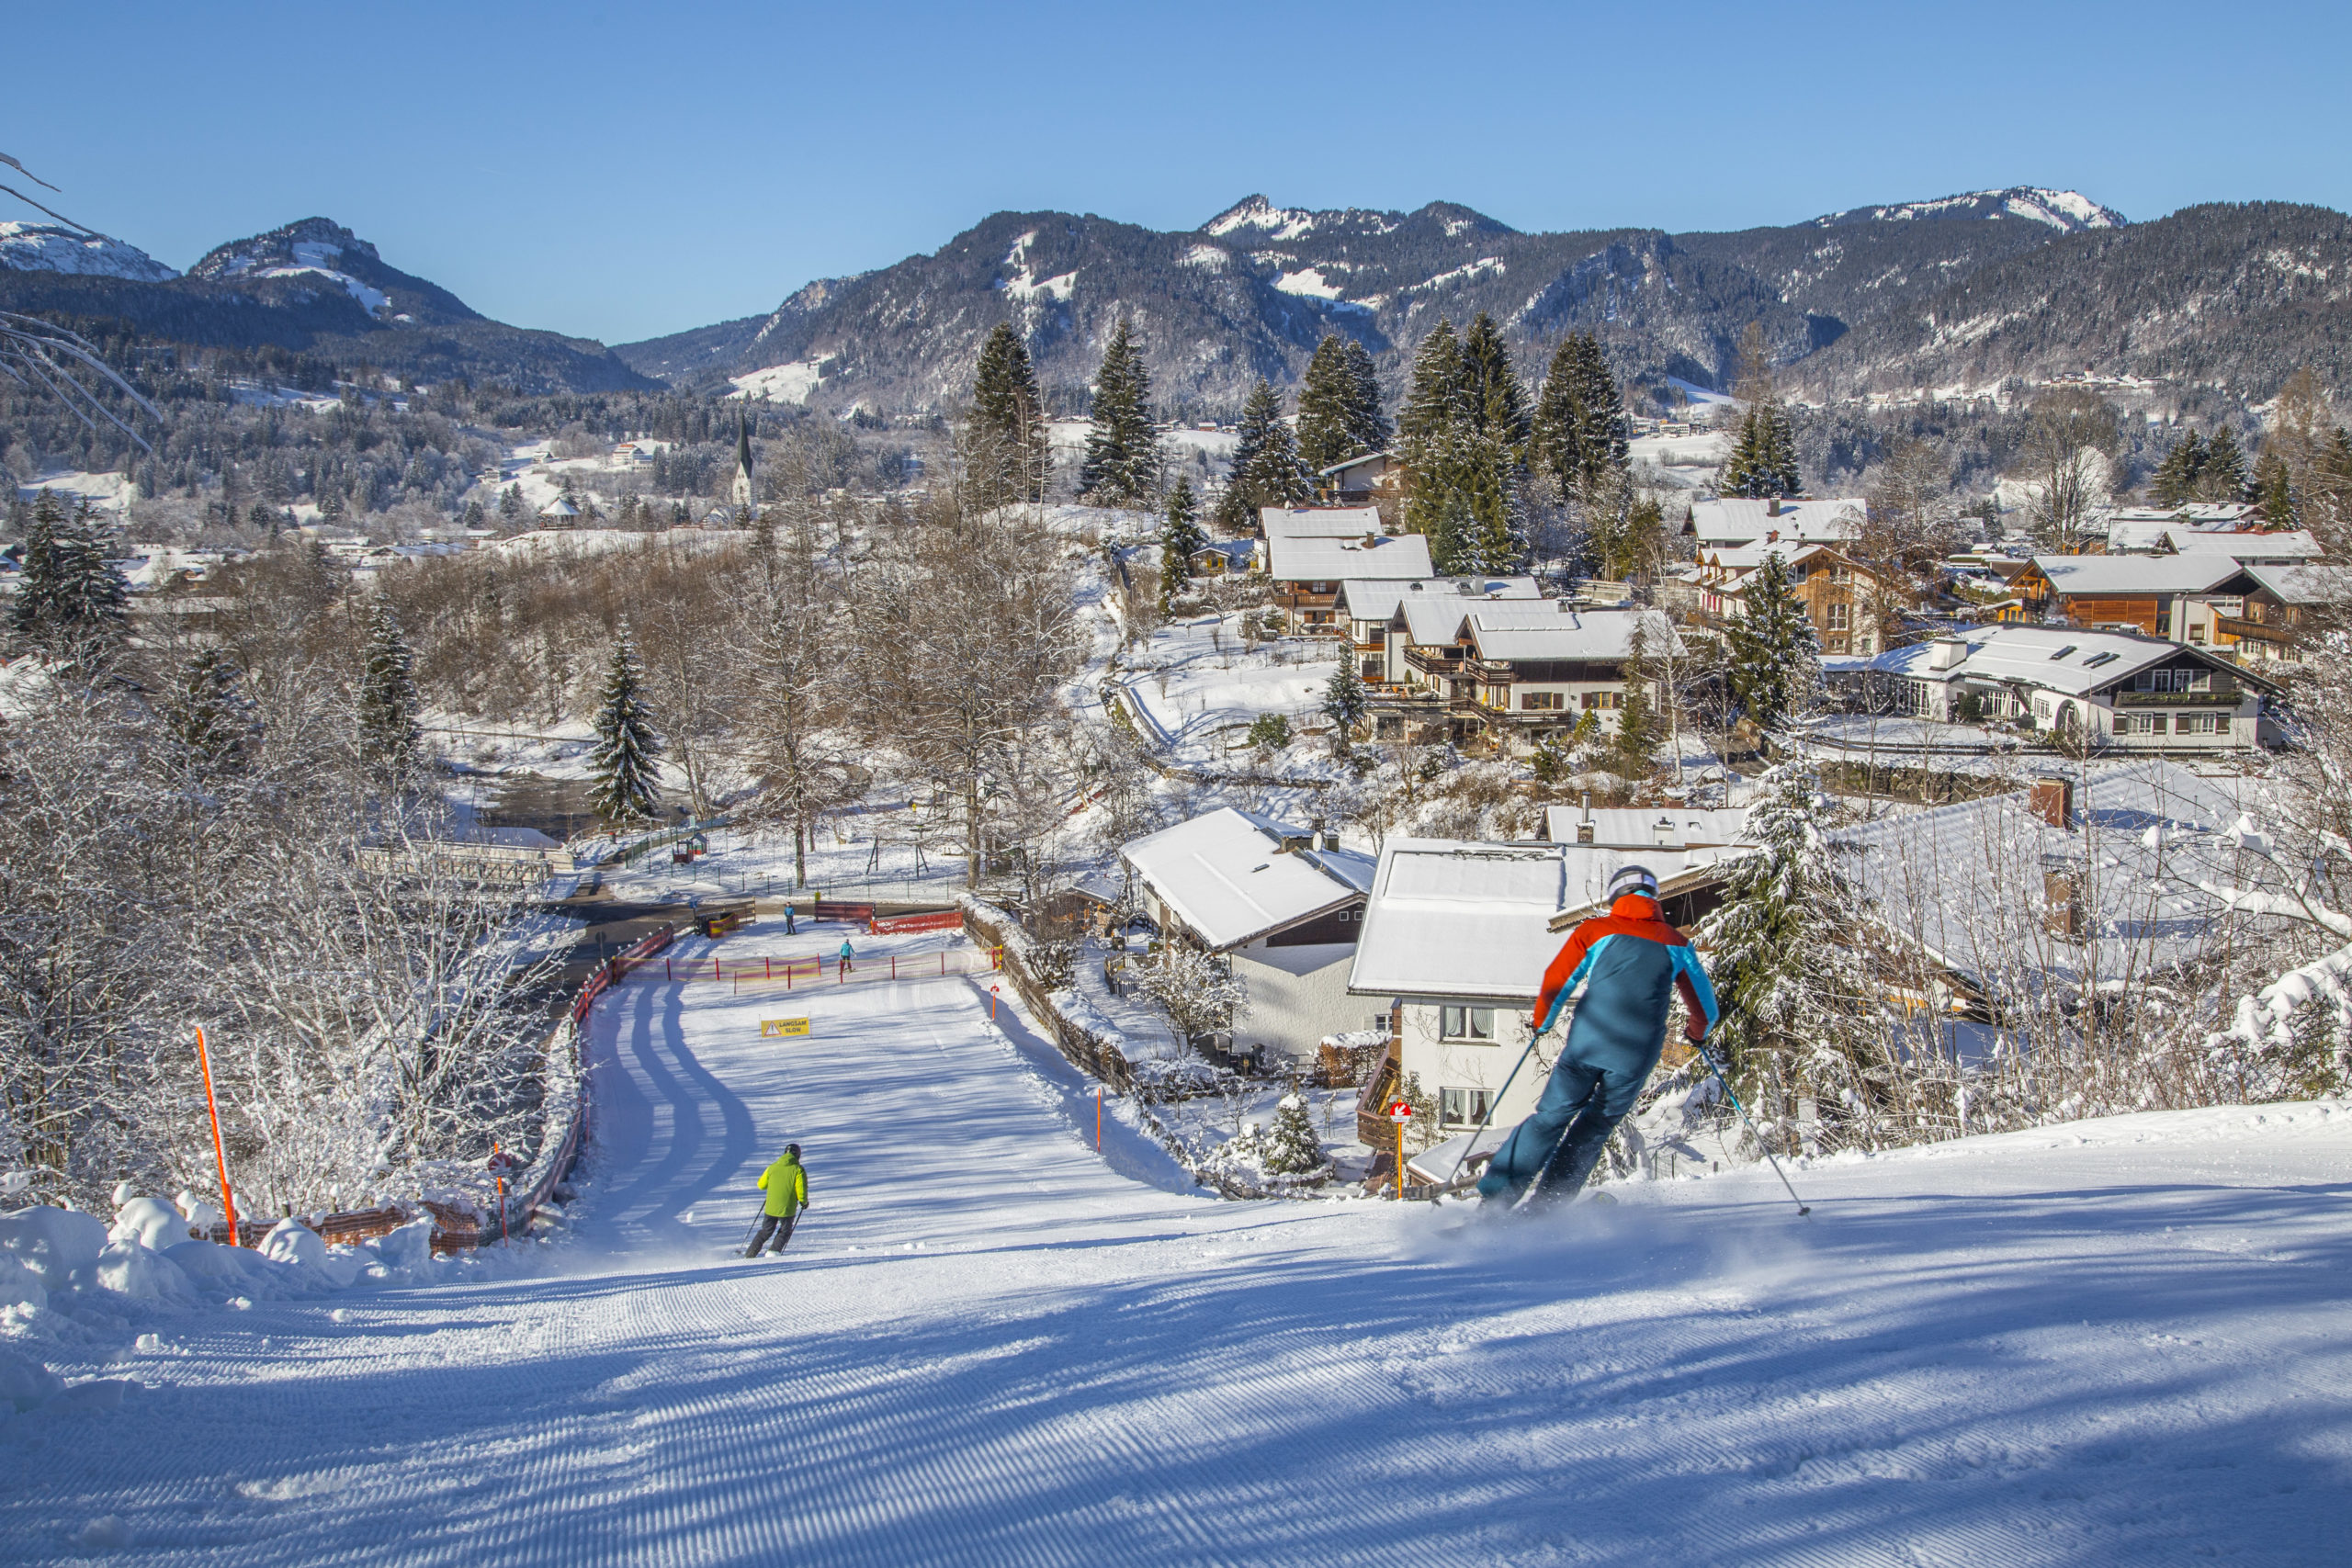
point(219, 1152)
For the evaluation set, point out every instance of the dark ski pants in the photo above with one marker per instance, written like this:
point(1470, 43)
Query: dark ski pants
point(780, 1224)
point(1558, 1145)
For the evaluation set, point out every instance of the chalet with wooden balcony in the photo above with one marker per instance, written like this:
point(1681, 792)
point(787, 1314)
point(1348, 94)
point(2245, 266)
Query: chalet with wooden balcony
point(1846, 601)
point(2270, 625)
point(1735, 522)
point(2117, 691)
point(2177, 597)
point(1311, 551)
point(1513, 672)
point(1366, 615)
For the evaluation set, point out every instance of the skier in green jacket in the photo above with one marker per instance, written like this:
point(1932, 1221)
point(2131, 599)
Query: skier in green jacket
point(786, 1185)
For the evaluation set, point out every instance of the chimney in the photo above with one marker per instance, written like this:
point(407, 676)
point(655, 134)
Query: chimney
point(1585, 827)
point(2062, 902)
point(1772, 508)
point(2052, 800)
point(1662, 832)
point(1946, 652)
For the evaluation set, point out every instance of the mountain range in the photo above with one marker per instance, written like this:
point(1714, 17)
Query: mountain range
point(311, 288)
point(1958, 293)
point(1962, 293)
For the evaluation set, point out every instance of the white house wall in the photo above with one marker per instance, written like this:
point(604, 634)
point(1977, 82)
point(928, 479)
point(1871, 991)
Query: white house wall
point(1442, 1064)
point(1297, 995)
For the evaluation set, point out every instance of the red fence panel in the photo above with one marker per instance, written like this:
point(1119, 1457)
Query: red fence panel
point(946, 920)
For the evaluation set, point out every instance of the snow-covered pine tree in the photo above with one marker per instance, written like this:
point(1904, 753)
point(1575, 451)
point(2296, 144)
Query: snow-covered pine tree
point(92, 600)
point(1578, 432)
point(1180, 537)
point(1781, 956)
point(2273, 490)
point(624, 777)
point(510, 504)
point(1775, 663)
point(2223, 478)
point(208, 713)
point(1345, 700)
point(1266, 469)
point(1492, 398)
point(1123, 461)
point(1494, 541)
point(1006, 431)
point(389, 738)
point(1293, 1147)
point(1433, 437)
point(1368, 426)
point(2175, 480)
point(33, 611)
point(1327, 397)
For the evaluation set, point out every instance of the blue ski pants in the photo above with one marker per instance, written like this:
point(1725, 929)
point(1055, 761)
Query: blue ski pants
point(1561, 1142)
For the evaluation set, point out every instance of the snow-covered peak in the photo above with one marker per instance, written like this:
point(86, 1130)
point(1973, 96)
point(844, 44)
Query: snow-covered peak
point(2068, 211)
point(45, 247)
point(1257, 212)
point(315, 246)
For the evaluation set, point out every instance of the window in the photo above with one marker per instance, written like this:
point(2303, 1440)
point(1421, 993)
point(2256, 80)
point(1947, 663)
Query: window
point(1603, 701)
point(2198, 724)
point(1372, 669)
point(1466, 1024)
point(1838, 613)
point(1539, 701)
point(1461, 1107)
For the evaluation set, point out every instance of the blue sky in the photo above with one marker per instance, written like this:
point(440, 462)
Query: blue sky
point(618, 172)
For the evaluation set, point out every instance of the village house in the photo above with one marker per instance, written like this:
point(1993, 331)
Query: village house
point(1310, 552)
point(1365, 612)
point(2271, 625)
point(1511, 671)
point(2284, 546)
point(1845, 601)
point(2176, 596)
point(1283, 903)
point(1455, 939)
point(1360, 480)
point(1735, 522)
point(2114, 691)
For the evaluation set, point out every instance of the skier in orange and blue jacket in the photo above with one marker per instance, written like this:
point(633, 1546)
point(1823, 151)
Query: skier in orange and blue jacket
point(1630, 962)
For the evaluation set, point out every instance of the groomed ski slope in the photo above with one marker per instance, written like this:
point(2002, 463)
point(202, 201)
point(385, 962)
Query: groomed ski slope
point(2118, 1343)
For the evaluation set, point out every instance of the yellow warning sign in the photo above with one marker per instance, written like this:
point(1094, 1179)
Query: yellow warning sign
point(776, 1027)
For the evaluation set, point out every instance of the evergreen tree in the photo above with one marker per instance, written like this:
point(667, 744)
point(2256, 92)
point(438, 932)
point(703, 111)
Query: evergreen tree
point(1293, 1147)
point(1327, 407)
point(1492, 398)
point(1124, 460)
point(1266, 470)
point(1775, 666)
point(1345, 700)
point(2273, 490)
point(1367, 414)
point(207, 712)
point(33, 613)
point(2176, 478)
point(1579, 431)
point(1007, 430)
point(625, 778)
point(1493, 537)
point(1763, 461)
point(2224, 477)
point(389, 738)
point(510, 504)
point(1779, 947)
point(1180, 538)
point(1433, 409)
point(92, 602)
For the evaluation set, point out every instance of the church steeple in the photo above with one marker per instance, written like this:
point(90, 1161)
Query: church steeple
point(743, 491)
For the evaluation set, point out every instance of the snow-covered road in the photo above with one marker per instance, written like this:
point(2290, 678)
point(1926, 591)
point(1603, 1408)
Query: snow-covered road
point(2120, 1343)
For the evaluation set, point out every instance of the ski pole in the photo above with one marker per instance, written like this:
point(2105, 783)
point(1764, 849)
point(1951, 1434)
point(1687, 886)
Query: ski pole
point(1804, 1208)
point(1492, 1105)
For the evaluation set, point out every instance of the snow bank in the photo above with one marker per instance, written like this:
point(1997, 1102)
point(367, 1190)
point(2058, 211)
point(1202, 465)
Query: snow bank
point(55, 1245)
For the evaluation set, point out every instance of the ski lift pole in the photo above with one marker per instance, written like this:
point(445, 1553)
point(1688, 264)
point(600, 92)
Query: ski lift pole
point(220, 1154)
point(1714, 1066)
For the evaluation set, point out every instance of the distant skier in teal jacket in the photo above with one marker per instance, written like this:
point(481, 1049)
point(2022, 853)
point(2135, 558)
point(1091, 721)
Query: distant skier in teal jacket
point(1630, 962)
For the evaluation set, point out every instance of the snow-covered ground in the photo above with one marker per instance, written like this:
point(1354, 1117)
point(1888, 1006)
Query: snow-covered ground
point(1202, 685)
point(1688, 461)
point(2113, 1343)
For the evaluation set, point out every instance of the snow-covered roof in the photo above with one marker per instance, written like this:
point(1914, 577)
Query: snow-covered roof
point(1322, 558)
point(2195, 573)
point(2056, 659)
point(1740, 561)
point(2222, 517)
point(1965, 882)
point(1318, 522)
point(2303, 584)
point(1737, 520)
point(2173, 537)
point(1357, 461)
point(1497, 633)
point(1226, 876)
point(1368, 600)
point(1638, 827)
point(1454, 918)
